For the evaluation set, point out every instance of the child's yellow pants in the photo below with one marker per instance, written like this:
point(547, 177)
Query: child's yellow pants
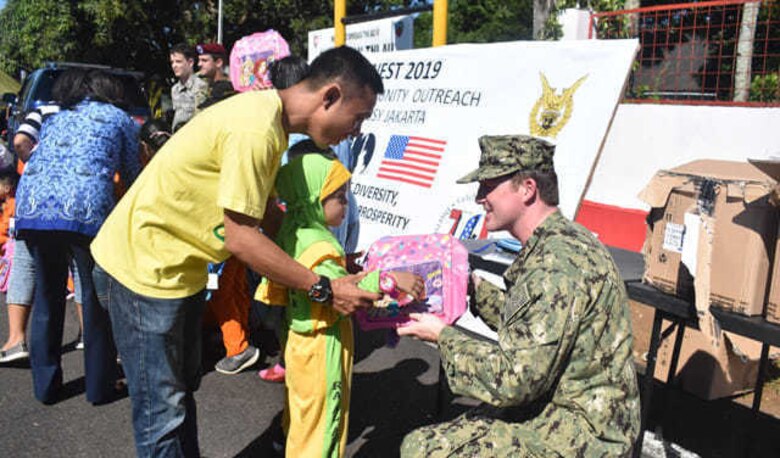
point(318, 379)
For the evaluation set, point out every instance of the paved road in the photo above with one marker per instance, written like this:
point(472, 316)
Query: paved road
point(394, 390)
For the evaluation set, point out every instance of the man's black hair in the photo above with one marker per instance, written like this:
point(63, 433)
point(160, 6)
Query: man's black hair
point(186, 50)
point(288, 71)
point(346, 64)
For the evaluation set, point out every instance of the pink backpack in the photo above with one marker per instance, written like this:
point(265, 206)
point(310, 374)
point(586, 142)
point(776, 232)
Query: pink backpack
point(5, 263)
point(252, 55)
point(439, 258)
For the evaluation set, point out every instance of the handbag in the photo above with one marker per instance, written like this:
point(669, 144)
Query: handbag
point(251, 58)
point(442, 262)
point(5, 263)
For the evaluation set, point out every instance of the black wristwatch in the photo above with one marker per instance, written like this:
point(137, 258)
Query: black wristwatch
point(321, 292)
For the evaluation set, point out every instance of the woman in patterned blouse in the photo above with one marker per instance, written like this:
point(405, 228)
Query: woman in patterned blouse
point(65, 194)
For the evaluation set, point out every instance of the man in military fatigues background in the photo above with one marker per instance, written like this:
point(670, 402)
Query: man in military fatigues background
point(560, 380)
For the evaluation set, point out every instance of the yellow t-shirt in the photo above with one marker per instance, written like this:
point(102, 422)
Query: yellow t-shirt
point(162, 234)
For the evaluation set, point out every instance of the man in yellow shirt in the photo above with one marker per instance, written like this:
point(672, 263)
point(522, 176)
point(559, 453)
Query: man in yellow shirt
point(202, 199)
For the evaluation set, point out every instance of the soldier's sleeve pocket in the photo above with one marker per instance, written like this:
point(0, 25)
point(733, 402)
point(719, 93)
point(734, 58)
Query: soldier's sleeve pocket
point(517, 303)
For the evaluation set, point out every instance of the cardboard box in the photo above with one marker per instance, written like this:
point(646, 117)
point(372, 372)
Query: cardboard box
point(713, 231)
point(773, 301)
point(772, 168)
point(709, 371)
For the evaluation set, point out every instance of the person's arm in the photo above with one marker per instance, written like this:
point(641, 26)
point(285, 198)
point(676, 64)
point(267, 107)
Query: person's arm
point(353, 225)
point(201, 92)
point(23, 146)
point(488, 302)
point(27, 135)
point(130, 157)
point(533, 348)
point(261, 254)
point(244, 240)
point(531, 352)
point(5, 215)
point(401, 282)
point(272, 220)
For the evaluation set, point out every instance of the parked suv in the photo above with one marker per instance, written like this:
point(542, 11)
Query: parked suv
point(36, 91)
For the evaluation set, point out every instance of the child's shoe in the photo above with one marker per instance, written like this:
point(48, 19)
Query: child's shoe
point(273, 374)
point(235, 364)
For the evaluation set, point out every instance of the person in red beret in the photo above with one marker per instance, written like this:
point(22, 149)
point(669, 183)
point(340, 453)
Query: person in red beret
point(212, 58)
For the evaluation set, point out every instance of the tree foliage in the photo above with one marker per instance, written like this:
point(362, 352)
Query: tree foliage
point(480, 21)
point(35, 28)
point(137, 34)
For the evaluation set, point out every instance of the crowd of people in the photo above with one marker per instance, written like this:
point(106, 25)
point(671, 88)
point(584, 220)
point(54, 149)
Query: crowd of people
point(246, 197)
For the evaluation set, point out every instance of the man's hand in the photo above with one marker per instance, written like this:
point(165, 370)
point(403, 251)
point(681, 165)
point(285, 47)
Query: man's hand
point(424, 326)
point(410, 284)
point(347, 297)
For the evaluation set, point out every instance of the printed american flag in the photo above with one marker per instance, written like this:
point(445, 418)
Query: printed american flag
point(412, 160)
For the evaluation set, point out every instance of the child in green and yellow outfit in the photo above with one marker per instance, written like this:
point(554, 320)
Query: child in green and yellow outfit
point(319, 348)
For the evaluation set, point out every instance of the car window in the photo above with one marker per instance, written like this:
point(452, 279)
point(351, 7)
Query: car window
point(44, 86)
point(40, 91)
point(27, 85)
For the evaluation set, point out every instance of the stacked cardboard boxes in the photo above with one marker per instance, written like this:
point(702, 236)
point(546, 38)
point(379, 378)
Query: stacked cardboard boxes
point(773, 301)
point(712, 221)
point(707, 371)
point(712, 236)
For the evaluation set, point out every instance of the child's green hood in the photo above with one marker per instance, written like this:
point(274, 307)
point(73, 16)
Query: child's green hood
point(302, 184)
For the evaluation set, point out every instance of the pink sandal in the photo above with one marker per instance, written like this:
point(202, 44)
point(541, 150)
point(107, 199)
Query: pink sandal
point(273, 374)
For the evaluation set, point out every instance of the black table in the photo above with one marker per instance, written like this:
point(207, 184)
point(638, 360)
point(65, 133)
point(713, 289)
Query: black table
point(681, 313)
point(485, 255)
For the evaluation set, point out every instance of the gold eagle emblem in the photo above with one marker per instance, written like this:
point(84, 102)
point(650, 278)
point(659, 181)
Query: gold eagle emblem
point(552, 111)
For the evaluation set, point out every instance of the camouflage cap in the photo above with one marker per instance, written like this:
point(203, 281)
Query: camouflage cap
point(505, 154)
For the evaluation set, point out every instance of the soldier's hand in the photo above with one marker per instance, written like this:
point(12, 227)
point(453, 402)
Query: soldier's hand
point(424, 326)
point(347, 297)
point(475, 280)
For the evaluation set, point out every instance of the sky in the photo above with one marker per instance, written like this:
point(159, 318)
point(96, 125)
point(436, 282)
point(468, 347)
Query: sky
point(2, 4)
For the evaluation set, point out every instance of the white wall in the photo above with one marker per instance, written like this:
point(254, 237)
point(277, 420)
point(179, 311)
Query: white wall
point(645, 138)
point(574, 24)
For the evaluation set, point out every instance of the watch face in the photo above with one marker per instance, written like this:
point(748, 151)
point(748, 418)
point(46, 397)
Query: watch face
point(320, 291)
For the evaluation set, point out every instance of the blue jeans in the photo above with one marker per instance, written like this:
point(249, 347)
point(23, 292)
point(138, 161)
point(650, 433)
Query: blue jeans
point(159, 341)
point(50, 252)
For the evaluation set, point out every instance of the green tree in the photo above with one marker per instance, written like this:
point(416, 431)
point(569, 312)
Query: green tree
point(34, 30)
point(137, 34)
point(479, 21)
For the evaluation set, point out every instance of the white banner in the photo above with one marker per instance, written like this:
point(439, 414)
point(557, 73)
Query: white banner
point(423, 133)
point(383, 35)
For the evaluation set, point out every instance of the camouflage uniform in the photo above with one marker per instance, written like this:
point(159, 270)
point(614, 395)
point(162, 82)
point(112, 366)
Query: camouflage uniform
point(185, 98)
point(560, 380)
